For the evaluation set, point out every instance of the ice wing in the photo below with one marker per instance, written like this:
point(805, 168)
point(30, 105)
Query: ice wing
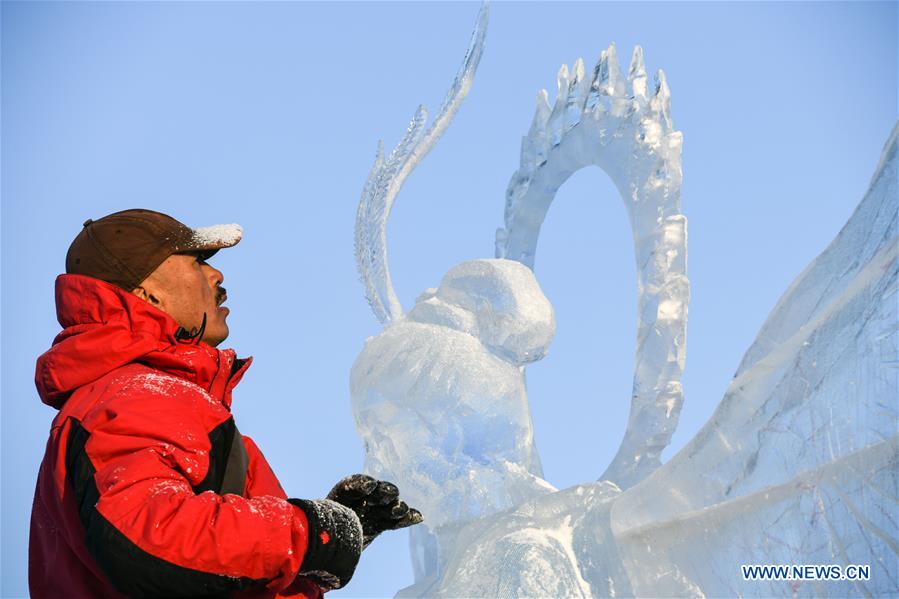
point(798, 464)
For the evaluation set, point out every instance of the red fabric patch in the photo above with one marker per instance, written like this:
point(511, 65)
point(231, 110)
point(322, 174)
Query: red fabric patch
point(325, 537)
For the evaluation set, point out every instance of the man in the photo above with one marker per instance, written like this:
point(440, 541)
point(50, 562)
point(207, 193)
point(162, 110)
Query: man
point(147, 488)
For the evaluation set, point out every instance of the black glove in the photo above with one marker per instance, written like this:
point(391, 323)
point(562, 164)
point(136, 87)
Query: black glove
point(377, 504)
point(335, 542)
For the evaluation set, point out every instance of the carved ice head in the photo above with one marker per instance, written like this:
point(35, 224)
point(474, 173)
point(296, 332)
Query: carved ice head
point(499, 302)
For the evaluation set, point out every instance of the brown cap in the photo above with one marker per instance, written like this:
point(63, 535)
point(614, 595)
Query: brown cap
point(125, 247)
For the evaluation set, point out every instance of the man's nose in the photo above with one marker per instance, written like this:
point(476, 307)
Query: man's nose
point(214, 275)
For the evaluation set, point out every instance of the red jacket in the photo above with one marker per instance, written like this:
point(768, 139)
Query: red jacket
point(131, 496)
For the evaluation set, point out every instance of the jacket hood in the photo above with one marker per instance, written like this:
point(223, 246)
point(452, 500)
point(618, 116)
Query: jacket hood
point(106, 327)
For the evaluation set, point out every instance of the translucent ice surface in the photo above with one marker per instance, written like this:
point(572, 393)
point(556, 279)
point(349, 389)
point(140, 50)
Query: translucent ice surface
point(798, 464)
point(607, 118)
point(388, 175)
point(440, 398)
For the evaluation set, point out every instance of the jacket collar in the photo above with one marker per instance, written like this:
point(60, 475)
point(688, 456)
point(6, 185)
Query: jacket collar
point(106, 327)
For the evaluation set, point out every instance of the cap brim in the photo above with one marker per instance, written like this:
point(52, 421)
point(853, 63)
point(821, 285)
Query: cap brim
point(209, 240)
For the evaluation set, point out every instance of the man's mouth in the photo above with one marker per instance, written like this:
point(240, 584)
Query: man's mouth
point(223, 296)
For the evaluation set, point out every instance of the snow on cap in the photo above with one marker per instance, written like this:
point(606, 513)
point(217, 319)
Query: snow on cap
point(218, 236)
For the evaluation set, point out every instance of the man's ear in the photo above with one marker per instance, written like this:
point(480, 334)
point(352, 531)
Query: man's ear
point(145, 295)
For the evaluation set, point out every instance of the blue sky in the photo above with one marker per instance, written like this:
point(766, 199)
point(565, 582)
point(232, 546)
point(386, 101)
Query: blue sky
point(268, 114)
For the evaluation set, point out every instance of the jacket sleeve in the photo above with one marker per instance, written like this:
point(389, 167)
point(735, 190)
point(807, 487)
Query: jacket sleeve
point(261, 480)
point(140, 469)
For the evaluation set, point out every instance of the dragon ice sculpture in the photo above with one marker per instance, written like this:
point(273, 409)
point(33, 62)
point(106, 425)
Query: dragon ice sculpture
point(798, 464)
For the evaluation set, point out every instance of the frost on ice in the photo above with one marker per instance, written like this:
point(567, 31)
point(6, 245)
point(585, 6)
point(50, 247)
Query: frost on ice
point(798, 464)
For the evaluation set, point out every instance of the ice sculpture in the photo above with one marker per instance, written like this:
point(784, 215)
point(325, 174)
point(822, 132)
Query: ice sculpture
point(798, 464)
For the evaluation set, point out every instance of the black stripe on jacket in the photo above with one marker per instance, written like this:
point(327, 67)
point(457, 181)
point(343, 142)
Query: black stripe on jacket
point(130, 569)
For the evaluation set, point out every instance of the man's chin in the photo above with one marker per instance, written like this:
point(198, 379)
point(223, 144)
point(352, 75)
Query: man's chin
point(214, 336)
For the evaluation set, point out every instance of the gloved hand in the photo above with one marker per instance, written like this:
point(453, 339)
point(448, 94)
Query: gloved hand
point(335, 542)
point(377, 504)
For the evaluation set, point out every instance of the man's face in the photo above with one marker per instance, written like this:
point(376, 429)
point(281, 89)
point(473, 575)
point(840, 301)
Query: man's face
point(185, 287)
